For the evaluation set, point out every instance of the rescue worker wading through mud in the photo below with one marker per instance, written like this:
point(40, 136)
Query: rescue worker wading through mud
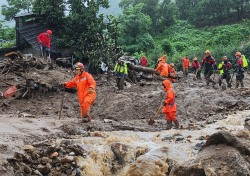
point(210, 65)
point(169, 105)
point(196, 66)
point(121, 72)
point(162, 66)
point(86, 86)
point(44, 43)
point(239, 70)
point(225, 66)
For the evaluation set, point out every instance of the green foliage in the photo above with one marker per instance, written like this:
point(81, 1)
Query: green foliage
point(188, 40)
point(134, 29)
point(7, 35)
point(53, 12)
point(16, 6)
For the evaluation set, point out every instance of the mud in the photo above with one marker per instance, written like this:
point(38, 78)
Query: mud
point(36, 118)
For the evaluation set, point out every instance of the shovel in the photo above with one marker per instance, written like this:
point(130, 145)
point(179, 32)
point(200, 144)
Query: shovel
point(151, 121)
point(61, 105)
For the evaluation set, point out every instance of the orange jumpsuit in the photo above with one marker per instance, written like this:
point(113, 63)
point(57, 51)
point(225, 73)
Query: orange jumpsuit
point(83, 83)
point(172, 72)
point(163, 68)
point(185, 65)
point(170, 108)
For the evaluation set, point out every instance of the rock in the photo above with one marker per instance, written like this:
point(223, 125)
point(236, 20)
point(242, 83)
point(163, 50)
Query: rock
point(45, 160)
point(178, 137)
point(222, 154)
point(37, 173)
point(199, 145)
point(67, 159)
point(28, 148)
point(120, 151)
point(151, 164)
point(167, 137)
point(54, 155)
point(107, 121)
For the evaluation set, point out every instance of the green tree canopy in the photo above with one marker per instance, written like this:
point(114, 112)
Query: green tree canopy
point(16, 6)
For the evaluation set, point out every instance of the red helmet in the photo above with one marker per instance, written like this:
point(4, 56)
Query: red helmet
point(49, 32)
point(79, 65)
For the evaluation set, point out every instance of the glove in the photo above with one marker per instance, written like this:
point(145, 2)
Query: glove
point(164, 103)
point(63, 84)
point(91, 90)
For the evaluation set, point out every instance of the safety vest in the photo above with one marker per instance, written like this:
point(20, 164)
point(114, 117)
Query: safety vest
point(121, 68)
point(244, 59)
point(220, 66)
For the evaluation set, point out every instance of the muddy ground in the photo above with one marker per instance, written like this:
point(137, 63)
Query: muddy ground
point(35, 118)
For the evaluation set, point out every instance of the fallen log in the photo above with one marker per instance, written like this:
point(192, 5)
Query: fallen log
point(148, 70)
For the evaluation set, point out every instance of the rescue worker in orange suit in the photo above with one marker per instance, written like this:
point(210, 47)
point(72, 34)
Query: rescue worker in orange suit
point(86, 86)
point(226, 66)
point(144, 61)
point(196, 65)
point(239, 70)
point(169, 105)
point(210, 65)
point(172, 73)
point(44, 42)
point(185, 65)
point(162, 66)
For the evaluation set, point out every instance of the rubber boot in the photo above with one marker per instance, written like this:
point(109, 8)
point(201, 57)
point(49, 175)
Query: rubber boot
point(237, 84)
point(241, 83)
point(176, 124)
point(86, 119)
point(169, 124)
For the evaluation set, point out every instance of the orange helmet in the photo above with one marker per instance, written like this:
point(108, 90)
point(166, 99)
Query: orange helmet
point(207, 52)
point(237, 53)
point(49, 32)
point(79, 66)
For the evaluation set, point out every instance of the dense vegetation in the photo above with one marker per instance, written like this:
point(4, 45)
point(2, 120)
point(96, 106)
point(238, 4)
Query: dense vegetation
point(150, 27)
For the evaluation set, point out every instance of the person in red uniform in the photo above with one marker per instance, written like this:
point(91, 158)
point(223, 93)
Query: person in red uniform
point(169, 105)
point(239, 70)
point(44, 43)
point(196, 65)
point(86, 86)
point(208, 62)
point(144, 61)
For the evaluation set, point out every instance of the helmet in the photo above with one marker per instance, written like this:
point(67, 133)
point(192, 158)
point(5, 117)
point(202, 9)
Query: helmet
point(224, 58)
point(237, 53)
point(208, 52)
point(49, 32)
point(195, 59)
point(172, 64)
point(79, 66)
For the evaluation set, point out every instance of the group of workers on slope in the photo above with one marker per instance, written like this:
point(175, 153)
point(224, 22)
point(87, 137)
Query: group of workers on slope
point(86, 85)
point(224, 67)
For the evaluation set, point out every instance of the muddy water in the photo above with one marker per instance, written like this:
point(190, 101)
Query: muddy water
point(147, 149)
